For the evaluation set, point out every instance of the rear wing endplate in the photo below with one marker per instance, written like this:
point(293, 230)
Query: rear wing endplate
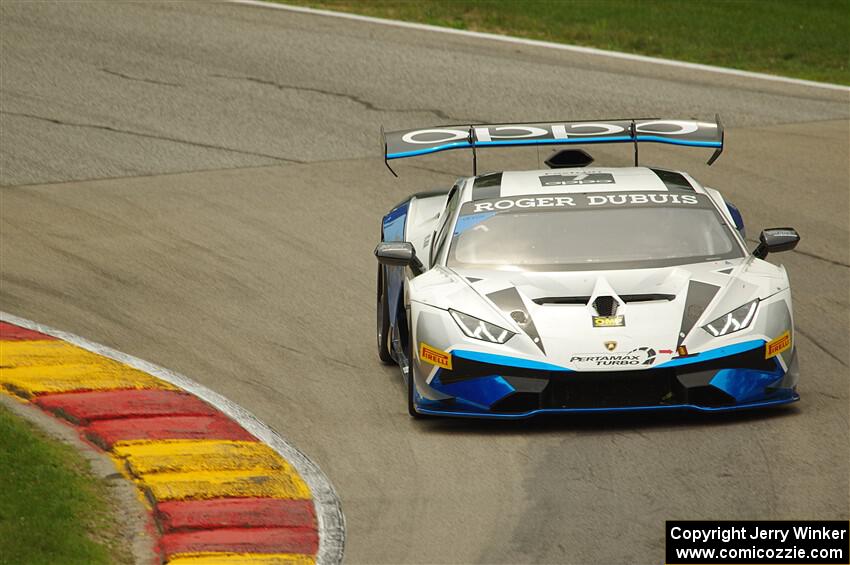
point(689, 133)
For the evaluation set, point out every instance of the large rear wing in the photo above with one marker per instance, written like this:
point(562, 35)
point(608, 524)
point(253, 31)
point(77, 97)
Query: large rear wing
point(415, 142)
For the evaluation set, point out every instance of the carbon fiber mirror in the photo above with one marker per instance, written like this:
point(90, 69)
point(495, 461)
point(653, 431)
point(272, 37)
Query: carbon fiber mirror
point(399, 254)
point(774, 240)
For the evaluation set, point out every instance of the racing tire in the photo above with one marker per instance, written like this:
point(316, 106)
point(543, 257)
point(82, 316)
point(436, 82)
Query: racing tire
point(383, 319)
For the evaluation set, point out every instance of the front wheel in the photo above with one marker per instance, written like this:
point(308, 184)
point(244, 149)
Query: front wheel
point(383, 330)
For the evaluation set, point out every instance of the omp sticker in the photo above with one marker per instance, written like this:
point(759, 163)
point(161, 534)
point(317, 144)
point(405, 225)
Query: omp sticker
point(778, 345)
point(435, 356)
point(609, 321)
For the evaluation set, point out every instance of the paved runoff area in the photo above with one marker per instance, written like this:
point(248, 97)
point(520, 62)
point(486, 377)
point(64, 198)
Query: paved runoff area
point(217, 494)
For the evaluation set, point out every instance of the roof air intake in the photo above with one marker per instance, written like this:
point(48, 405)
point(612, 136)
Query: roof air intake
point(569, 158)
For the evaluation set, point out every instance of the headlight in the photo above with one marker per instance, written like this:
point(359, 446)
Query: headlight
point(737, 319)
point(479, 329)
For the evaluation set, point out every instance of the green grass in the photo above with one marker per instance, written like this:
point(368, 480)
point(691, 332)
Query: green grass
point(51, 509)
point(805, 39)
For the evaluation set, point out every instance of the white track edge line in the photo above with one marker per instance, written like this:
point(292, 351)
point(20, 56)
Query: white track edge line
point(546, 44)
point(331, 521)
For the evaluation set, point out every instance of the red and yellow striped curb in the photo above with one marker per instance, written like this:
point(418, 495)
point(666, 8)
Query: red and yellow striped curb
point(217, 494)
point(241, 559)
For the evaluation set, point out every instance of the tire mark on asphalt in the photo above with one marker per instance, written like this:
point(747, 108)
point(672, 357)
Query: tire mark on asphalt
point(819, 346)
point(145, 175)
point(820, 258)
point(771, 479)
point(812, 255)
point(433, 170)
point(32, 286)
point(826, 394)
point(149, 136)
point(773, 126)
point(90, 307)
point(139, 79)
point(276, 345)
point(91, 266)
point(76, 258)
point(351, 97)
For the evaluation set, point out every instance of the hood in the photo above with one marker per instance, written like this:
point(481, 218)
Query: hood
point(632, 318)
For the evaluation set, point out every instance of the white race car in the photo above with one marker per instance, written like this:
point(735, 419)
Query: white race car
point(580, 288)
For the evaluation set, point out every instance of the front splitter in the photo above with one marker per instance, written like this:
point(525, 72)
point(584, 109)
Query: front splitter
point(608, 410)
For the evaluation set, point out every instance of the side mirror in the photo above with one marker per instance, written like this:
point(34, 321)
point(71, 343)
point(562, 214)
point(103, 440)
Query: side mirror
point(399, 254)
point(774, 240)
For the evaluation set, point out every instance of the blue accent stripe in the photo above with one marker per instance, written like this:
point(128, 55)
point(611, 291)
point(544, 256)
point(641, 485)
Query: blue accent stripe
point(673, 141)
point(467, 222)
point(515, 142)
point(794, 397)
point(481, 392)
point(711, 354)
point(425, 151)
point(396, 213)
point(746, 385)
point(504, 360)
point(507, 361)
point(736, 215)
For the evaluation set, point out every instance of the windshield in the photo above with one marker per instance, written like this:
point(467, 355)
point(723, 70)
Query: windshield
point(590, 231)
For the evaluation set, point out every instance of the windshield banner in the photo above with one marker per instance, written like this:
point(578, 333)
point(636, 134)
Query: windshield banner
point(584, 201)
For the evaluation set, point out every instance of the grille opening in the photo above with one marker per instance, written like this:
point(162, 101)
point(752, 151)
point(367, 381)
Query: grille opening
point(688, 384)
point(702, 395)
point(655, 387)
point(518, 402)
point(628, 388)
point(605, 305)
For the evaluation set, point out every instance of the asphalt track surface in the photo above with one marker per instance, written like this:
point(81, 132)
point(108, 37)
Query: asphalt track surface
point(200, 185)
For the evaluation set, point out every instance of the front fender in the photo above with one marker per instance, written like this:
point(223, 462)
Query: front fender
point(411, 220)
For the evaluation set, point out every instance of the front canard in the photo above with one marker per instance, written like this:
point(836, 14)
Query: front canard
point(435, 356)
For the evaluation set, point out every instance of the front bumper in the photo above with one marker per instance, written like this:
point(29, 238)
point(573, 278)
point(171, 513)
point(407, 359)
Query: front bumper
point(500, 389)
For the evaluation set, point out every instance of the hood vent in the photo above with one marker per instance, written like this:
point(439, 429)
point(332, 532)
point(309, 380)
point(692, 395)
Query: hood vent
point(583, 300)
point(509, 301)
point(605, 305)
point(673, 180)
point(577, 300)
